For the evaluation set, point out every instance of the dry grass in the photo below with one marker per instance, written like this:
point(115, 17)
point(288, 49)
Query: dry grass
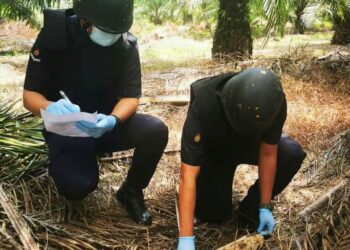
point(16, 37)
point(315, 112)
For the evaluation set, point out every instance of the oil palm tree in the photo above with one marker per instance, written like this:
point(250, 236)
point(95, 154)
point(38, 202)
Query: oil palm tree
point(339, 9)
point(24, 10)
point(299, 7)
point(157, 11)
point(233, 36)
point(233, 33)
point(198, 10)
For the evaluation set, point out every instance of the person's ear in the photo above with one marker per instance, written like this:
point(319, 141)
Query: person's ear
point(86, 26)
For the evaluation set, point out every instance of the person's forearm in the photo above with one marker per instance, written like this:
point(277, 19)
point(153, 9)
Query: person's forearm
point(33, 101)
point(187, 198)
point(125, 108)
point(267, 171)
point(187, 203)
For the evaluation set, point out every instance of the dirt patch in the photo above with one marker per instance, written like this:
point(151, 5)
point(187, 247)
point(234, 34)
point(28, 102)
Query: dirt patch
point(12, 69)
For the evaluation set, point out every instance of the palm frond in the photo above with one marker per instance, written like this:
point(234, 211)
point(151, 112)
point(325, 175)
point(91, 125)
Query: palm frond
point(22, 147)
point(336, 6)
point(25, 10)
point(277, 12)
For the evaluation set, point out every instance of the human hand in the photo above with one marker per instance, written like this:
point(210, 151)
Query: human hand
point(267, 222)
point(104, 124)
point(62, 107)
point(186, 243)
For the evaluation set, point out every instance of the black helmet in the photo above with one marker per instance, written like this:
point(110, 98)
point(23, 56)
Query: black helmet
point(251, 100)
point(111, 16)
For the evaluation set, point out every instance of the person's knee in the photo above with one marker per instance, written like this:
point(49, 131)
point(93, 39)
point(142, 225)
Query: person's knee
point(297, 153)
point(293, 153)
point(77, 187)
point(159, 131)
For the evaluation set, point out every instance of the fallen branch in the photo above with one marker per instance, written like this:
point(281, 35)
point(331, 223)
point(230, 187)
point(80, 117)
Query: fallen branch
point(249, 242)
point(177, 100)
point(129, 153)
point(17, 222)
point(10, 239)
point(323, 199)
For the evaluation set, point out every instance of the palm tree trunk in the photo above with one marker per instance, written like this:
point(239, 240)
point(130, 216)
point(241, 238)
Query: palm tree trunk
point(342, 29)
point(233, 36)
point(299, 26)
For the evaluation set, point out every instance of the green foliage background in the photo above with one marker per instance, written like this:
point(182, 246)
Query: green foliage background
point(25, 10)
point(266, 16)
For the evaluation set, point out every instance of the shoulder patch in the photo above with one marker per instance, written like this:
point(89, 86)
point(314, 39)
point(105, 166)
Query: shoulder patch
point(35, 55)
point(197, 138)
point(36, 52)
point(54, 30)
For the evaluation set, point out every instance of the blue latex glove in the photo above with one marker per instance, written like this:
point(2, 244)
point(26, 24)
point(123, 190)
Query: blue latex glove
point(62, 107)
point(267, 222)
point(186, 243)
point(104, 124)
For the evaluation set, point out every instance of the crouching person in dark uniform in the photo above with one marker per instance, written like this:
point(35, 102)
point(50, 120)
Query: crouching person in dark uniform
point(88, 53)
point(234, 119)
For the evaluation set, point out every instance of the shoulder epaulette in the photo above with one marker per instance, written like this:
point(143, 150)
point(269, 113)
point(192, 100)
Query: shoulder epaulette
point(54, 30)
point(131, 38)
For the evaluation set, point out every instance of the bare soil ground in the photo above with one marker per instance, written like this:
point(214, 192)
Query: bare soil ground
point(317, 111)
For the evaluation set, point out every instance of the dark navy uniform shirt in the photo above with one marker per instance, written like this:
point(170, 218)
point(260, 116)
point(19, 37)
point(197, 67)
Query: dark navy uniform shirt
point(92, 76)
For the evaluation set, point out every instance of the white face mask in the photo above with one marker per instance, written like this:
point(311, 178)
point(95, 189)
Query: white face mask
point(103, 38)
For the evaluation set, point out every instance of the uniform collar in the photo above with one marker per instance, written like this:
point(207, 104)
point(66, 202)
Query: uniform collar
point(78, 36)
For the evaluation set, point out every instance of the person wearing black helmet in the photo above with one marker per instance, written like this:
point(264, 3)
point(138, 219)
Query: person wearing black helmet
point(88, 53)
point(234, 118)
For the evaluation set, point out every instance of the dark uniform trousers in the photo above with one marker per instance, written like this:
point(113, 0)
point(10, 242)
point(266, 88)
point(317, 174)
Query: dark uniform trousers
point(73, 163)
point(214, 184)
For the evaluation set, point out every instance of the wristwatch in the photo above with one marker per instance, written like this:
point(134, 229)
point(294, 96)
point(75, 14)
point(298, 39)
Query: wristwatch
point(117, 119)
point(266, 205)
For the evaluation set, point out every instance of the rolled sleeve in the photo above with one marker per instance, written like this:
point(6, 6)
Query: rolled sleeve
point(191, 141)
point(37, 73)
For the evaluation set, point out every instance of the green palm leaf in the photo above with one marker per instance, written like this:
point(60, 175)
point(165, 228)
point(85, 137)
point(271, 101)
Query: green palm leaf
point(25, 10)
point(22, 146)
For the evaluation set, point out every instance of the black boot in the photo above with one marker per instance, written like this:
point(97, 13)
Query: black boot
point(133, 200)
